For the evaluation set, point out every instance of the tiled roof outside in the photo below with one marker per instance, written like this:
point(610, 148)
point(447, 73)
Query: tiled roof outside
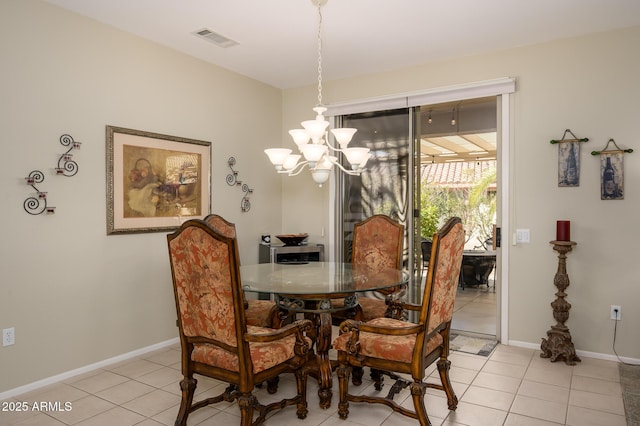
point(460, 174)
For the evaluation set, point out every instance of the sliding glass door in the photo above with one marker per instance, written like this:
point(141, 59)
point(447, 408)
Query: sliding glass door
point(429, 163)
point(384, 188)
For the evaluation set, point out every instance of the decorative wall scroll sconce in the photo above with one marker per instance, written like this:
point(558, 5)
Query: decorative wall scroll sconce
point(232, 179)
point(612, 171)
point(569, 159)
point(66, 166)
point(245, 204)
point(36, 205)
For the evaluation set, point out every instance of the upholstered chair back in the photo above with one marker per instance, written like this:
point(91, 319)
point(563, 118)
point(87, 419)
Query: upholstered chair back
point(221, 225)
point(205, 269)
point(377, 243)
point(443, 276)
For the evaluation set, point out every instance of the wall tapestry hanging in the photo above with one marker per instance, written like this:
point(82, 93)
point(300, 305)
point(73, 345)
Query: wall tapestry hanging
point(568, 159)
point(612, 171)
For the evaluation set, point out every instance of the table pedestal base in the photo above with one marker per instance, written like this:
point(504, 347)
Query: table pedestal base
point(320, 367)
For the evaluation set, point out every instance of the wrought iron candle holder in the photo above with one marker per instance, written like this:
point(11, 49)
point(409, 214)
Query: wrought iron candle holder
point(232, 179)
point(36, 205)
point(66, 165)
point(245, 204)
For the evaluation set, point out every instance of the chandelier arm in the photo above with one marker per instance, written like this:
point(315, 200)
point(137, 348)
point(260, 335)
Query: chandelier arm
point(296, 170)
point(326, 141)
point(347, 171)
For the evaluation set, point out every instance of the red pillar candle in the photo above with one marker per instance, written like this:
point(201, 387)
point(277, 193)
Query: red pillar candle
point(563, 230)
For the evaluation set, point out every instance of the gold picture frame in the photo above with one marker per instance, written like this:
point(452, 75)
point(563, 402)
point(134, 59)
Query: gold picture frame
point(154, 181)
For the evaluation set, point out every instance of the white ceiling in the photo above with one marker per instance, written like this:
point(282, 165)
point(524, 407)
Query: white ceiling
point(277, 38)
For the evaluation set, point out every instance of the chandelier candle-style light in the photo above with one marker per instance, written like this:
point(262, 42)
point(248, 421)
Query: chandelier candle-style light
point(313, 139)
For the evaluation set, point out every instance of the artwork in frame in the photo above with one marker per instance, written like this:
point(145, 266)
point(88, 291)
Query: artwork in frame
point(155, 182)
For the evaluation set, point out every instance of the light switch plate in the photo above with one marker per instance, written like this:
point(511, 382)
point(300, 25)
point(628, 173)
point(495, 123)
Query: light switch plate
point(523, 236)
point(8, 336)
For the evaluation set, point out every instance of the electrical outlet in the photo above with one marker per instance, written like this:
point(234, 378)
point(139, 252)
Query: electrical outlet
point(8, 336)
point(616, 312)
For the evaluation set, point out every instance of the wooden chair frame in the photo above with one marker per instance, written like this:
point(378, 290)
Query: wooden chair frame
point(276, 317)
point(393, 259)
point(241, 382)
point(431, 333)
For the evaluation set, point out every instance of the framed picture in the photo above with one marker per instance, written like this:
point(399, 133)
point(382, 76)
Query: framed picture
point(155, 182)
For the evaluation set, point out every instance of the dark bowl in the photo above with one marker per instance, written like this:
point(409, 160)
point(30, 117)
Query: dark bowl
point(292, 239)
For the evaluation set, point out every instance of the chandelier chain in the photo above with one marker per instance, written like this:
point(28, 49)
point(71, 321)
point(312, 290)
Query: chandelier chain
point(319, 54)
point(316, 154)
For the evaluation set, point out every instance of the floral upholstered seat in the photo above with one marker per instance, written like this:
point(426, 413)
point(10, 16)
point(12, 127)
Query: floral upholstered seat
point(392, 345)
point(215, 339)
point(263, 313)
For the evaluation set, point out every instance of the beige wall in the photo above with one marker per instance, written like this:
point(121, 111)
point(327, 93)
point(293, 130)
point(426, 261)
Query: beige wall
point(75, 295)
point(589, 85)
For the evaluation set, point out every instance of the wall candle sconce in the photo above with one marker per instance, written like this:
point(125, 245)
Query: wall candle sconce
point(37, 205)
point(232, 179)
point(245, 204)
point(66, 166)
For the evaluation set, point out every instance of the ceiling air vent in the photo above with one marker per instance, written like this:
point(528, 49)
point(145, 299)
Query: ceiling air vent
point(215, 38)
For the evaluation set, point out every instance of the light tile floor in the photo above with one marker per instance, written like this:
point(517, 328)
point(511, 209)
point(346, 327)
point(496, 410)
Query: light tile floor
point(513, 386)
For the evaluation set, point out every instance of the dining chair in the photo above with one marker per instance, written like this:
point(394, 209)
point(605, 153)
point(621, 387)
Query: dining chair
point(216, 340)
point(263, 313)
point(393, 345)
point(377, 243)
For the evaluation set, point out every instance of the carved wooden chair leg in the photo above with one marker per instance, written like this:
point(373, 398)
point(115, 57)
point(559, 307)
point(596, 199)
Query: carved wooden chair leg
point(247, 403)
point(357, 373)
point(272, 385)
point(188, 387)
point(378, 378)
point(443, 369)
point(343, 385)
point(417, 394)
point(301, 383)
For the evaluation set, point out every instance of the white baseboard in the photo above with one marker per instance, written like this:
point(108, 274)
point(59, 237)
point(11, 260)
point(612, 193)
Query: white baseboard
point(585, 354)
point(68, 374)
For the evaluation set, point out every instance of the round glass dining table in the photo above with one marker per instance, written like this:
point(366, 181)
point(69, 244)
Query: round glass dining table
point(311, 288)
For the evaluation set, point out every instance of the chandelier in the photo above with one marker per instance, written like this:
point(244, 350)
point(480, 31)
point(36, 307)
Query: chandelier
point(313, 139)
